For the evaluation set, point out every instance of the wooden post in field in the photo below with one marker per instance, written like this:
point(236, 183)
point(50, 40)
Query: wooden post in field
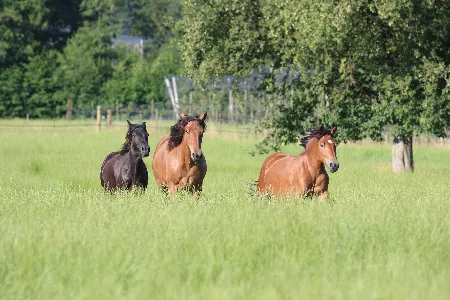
point(140, 115)
point(69, 110)
point(109, 118)
point(156, 118)
point(92, 110)
point(99, 117)
point(220, 124)
point(117, 110)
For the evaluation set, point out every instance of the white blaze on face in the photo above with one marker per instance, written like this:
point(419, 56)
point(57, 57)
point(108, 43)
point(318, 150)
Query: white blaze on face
point(330, 141)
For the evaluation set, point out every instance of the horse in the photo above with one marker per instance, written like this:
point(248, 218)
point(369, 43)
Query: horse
point(305, 174)
point(178, 161)
point(125, 169)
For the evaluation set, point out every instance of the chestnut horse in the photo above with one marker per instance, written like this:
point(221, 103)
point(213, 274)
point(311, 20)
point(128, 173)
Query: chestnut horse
point(305, 174)
point(178, 161)
point(125, 169)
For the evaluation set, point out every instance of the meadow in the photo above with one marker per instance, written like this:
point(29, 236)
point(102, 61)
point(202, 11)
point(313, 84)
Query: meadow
point(380, 235)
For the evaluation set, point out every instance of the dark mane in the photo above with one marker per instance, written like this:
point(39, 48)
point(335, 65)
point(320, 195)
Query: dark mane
point(128, 138)
point(177, 130)
point(316, 133)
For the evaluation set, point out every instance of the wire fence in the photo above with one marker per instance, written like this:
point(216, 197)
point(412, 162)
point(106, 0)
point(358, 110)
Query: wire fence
point(162, 126)
point(239, 124)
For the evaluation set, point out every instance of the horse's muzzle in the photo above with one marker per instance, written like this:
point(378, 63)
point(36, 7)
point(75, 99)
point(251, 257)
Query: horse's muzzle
point(196, 156)
point(145, 151)
point(333, 166)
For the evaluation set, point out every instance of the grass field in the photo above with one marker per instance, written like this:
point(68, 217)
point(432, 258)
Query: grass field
point(381, 236)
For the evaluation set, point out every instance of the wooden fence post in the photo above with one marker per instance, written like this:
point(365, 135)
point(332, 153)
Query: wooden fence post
point(156, 118)
point(99, 117)
point(69, 110)
point(140, 115)
point(109, 118)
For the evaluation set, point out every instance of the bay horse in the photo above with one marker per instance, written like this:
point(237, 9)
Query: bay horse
point(305, 174)
point(178, 161)
point(125, 169)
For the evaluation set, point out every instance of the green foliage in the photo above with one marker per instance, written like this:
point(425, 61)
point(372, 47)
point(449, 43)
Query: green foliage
point(153, 19)
point(166, 63)
point(86, 64)
point(40, 85)
point(364, 65)
point(224, 37)
point(13, 100)
point(52, 51)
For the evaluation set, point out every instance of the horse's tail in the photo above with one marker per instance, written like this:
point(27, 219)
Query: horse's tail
point(253, 188)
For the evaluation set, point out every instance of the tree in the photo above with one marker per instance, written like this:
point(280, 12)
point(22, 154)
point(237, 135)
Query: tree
point(361, 65)
point(28, 27)
point(153, 19)
point(40, 85)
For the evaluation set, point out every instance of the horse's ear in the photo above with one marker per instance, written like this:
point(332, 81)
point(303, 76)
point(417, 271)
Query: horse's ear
point(302, 141)
point(182, 116)
point(143, 125)
point(129, 124)
point(203, 117)
point(333, 130)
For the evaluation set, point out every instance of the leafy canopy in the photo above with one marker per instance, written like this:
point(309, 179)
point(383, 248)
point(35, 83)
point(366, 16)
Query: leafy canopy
point(361, 65)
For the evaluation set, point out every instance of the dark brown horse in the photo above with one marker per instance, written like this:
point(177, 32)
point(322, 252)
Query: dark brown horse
point(305, 174)
point(178, 161)
point(125, 169)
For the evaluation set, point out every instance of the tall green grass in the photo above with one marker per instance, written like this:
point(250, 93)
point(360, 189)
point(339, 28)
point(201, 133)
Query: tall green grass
point(381, 236)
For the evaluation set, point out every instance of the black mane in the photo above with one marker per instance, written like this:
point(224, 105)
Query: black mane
point(316, 133)
point(128, 138)
point(177, 130)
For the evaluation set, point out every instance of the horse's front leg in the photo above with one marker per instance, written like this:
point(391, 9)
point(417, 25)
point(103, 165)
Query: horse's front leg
point(323, 196)
point(196, 191)
point(195, 187)
point(321, 187)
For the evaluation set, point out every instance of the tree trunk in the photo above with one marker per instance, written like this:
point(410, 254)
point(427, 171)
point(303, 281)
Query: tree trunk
point(402, 154)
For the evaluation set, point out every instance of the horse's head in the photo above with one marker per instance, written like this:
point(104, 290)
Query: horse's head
point(193, 135)
point(327, 150)
point(320, 140)
point(139, 139)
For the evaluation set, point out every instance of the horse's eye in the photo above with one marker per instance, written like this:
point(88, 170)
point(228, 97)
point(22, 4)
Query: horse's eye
point(322, 144)
point(187, 131)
